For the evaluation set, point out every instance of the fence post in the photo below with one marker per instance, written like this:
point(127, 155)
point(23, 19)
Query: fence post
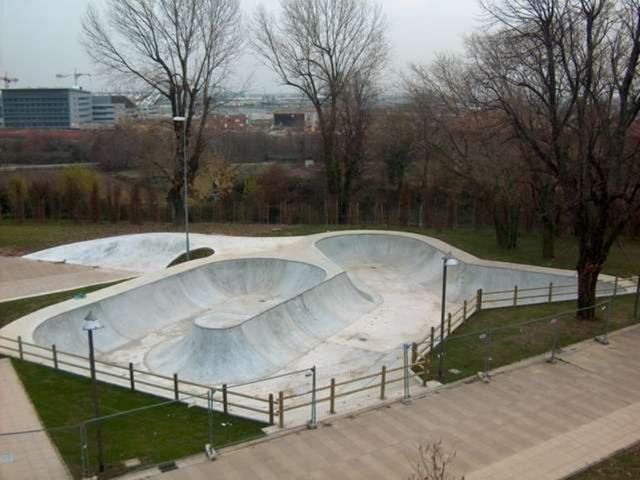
point(55, 356)
point(313, 421)
point(449, 324)
point(414, 353)
point(281, 409)
point(637, 302)
point(225, 403)
point(550, 292)
point(432, 340)
point(479, 300)
point(406, 398)
point(383, 381)
point(332, 396)
point(271, 422)
point(176, 392)
point(20, 351)
point(132, 380)
point(425, 370)
point(515, 296)
point(464, 311)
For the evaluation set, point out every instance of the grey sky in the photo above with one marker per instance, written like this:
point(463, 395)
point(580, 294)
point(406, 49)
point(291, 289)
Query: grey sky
point(39, 38)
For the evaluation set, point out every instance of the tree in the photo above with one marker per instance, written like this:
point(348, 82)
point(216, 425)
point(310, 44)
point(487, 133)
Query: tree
point(469, 140)
point(565, 75)
point(17, 192)
point(177, 49)
point(432, 462)
point(320, 47)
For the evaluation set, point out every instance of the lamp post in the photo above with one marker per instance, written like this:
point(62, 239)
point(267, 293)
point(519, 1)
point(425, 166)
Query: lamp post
point(447, 261)
point(185, 188)
point(91, 323)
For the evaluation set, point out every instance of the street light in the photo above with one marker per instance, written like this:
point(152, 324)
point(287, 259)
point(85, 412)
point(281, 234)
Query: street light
point(90, 324)
point(447, 261)
point(183, 121)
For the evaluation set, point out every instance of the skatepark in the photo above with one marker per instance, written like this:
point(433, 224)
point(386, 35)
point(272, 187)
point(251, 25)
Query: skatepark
point(261, 307)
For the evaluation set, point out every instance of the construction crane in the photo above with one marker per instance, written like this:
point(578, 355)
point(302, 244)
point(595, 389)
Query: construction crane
point(8, 81)
point(76, 75)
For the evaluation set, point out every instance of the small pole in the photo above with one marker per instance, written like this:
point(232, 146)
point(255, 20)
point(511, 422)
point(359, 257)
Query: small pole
point(176, 392)
point(332, 395)
point(615, 287)
point(550, 292)
point(132, 381)
point(479, 300)
point(281, 409)
point(55, 356)
point(554, 346)
point(271, 410)
point(432, 339)
point(449, 325)
point(425, 370)
point(407, 395)
point(637, 302)
point(383, 381)
point(225, 403)
point(20, 351)
point(515, 296)
point(464, 311)
point(210, 416)
point(313, 421)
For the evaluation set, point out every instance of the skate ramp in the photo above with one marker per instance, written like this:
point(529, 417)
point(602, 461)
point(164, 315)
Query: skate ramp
point(233, 344)
point(174, 302)
point(148, 252)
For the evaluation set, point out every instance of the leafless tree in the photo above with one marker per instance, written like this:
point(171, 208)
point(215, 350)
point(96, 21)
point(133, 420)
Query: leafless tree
point(180, 49)
point(432, 462)
point(469, 141)
point(319, 47)
point(565, 74)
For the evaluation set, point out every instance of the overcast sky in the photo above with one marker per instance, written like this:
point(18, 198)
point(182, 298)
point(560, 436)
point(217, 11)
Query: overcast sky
point(39, 38)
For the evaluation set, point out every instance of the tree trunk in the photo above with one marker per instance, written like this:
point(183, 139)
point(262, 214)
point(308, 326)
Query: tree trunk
point(588, 273)
point(506, 220)
point(548, 239)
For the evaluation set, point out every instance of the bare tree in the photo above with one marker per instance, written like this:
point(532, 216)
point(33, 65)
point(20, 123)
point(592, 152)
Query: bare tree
point(432, 462)
point(469, 141)
point(565, 74)
point(180, 49)
point(319, 47)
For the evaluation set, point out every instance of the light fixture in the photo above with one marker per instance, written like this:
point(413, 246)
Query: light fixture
point(91, 322)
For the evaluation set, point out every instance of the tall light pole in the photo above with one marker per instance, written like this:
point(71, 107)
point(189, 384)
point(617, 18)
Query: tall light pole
point(90, 324)
point(185, 188)
point(447, 261)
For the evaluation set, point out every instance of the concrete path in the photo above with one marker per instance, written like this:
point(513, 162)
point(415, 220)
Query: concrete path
point(28, 456)
point(21, 278)
point(539, 421)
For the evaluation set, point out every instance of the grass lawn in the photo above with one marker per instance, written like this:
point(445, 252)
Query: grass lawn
point(30, 236)
point(158, 435)
point(511, 341)
point(10, 311)
point(623, 466)
point(193, 255)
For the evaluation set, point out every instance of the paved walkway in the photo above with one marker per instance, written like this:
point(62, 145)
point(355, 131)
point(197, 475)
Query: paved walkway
point(23, 278)
point(29, 456)
point(538, 422)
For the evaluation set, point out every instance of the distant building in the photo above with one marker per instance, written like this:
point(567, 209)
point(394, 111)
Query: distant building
point(108, 109)
point(289, 120)
point(46, 108)
point(236, 121)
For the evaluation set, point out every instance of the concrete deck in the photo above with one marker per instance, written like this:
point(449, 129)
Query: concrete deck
point(539, 422)
point(28, 456)
point(21, 278)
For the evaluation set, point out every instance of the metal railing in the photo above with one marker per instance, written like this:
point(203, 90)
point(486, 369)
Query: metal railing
point(366, 386)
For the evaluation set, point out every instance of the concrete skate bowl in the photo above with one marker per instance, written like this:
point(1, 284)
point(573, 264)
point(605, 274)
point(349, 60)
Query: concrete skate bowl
point(377, 259)
point(158, 310)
